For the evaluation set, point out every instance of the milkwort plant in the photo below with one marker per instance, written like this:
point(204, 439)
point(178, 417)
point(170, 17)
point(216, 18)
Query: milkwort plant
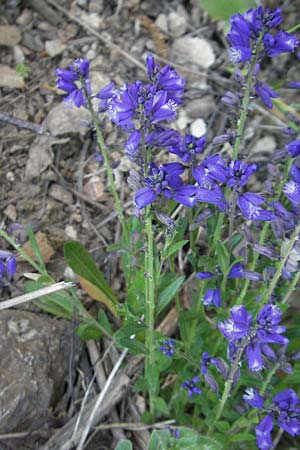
point(229, 375)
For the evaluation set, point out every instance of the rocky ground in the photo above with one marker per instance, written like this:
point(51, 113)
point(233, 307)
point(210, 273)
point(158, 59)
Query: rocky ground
point(50, 180)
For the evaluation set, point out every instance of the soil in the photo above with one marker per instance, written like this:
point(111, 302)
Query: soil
point(49, 178)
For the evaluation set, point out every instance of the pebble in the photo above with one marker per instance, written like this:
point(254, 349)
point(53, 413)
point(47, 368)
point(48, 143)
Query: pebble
point(11, 212)
point(54, 47)
point(61, 120)
point(57, 192)
point(177, 21)
point(94, 188)
point(10, 176)
point(193, 50)
point(162, 23)
point(24, 18)
point(183, 120)
point(201, 107)
point(198, 128)
point(19, 56)
point(92, 20)
point(10, 78)
point(40, 157)
point(71, 232)
point(98, 80)
point(9, 35)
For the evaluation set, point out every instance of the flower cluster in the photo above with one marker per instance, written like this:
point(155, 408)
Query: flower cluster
point(8, 265)
point(66, 80)
point(284, 411)
point(254, 338)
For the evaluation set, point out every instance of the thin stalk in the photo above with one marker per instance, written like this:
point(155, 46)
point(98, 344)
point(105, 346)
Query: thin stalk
point(172, 267)
point(263, 234)
point(228, 384)
point(240, 126)
point(150, 301)
point(22, 252)
point(281, 265)
point(109, 172)
point(291, 288)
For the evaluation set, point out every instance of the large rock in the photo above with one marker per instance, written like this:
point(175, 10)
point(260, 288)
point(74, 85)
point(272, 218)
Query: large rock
point(193, 50)
point(63, 119)
point(34, 358)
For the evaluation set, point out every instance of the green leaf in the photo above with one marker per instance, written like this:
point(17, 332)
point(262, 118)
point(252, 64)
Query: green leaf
point(173, 249)
point(223, 9)
point(223, 426)
point(82, 263)
point(160, 407)
point(104, 322)
point(152, 378)
point(239, 437)
point(59, 304)
point(160, 440)
point(223, 257)
point(126, 338)
point(124, 445)
point(36, 249)
point(87, 331)
point(168, 293)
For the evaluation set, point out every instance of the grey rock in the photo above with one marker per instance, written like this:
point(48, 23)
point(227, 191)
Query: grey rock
point(177, 22)
point(10, 78)
point(201, 107)
point(54, 47)
point(60, 194)
point(34, 358)
point(162, 23)
point(9, 35)
point(39, 158)
point(198, 128)
point(193, 50)
point(62, 119)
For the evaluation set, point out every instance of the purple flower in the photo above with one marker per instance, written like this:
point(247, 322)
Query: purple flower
point(163, 137)
point(212, 169)
point(123, 105)
point(238, 271)
point(281, 42)
point(190, 386)
point(132, 145)
point(11, 266)
point(239, 173)
point(78, 72)
point(168, 348)
point(256, 338)
point(293, 148)
point(214, 196)
point(204, 275)
point(212, 297)
point(238, 326)
point(253, 398)
point(283, 411)
point(187, 149)
point(250, 203)
point(230, 99)
point(266, 93)
point(292, 191)
point(294, 85)
point(106, 94)
point(165, 180)
point(159, 108)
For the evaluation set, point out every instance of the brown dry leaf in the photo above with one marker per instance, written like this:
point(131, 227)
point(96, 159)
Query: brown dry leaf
point(96, 294)
point(44, 244)
point(157, 36)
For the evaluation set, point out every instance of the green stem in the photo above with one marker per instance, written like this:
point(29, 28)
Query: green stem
point(22, 252)
point(291, 288)
point(150, 301)
point(109, 172)
point(228, 384)
point(281, 265)
point(264, 232)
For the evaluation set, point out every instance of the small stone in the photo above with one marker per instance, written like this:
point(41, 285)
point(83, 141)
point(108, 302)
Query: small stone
point(10, 78)
point(98, 80)
point(94, 188)
point(19, 56)
point(177, 21)
point(70, 275)
point(24, 18)
point(198, 128)
point(62, 119)
point(92, 20)
point(11, 212)
point(40, 157)
point(193, 50)
point(10, 176)
point(9, 35)
point(57, 192)
point(71, 232)
point(201, 107)
point(54, 47)
point(95, 6)
point(183, 120)
point(162, 23)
